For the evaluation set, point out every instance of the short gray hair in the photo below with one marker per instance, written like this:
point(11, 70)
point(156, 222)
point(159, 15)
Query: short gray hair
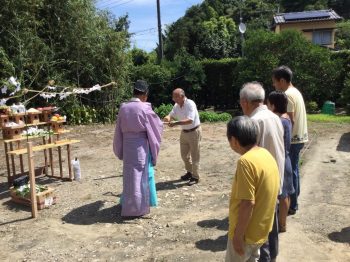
point(252, 91)
point(243, 129)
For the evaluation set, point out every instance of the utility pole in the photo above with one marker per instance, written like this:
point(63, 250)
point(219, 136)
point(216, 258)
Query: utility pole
point(160, 44)
point(242, 27)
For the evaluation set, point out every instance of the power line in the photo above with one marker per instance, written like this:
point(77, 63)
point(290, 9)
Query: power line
point(150, 30)
point(113, 5)
point(110, 3)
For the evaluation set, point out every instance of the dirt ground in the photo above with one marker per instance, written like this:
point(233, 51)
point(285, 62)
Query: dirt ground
point(190, 223)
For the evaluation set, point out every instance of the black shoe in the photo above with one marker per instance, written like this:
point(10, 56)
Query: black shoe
point(291, 211)
point(186, 176)
point(193, 181)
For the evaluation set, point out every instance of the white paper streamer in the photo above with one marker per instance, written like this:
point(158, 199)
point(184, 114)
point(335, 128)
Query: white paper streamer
point(13, 81)
point(4, 89)
point(3, 102)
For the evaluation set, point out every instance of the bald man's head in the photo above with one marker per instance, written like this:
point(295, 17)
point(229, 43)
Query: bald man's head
point(179, 91)
point(179, 96)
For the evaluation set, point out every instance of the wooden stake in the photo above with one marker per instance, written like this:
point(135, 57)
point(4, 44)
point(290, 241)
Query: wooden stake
point(69, 163)
point(51, 157)
point(9, 180)
point(60, 161)
point(13, 161)
point(45, 157)
point(32, 180)
point(20, 157)
point(59, 155)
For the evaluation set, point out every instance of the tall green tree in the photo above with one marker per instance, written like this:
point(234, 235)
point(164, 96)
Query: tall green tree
point(343, 35)
point(69, 41)
point(342, 7)
point(217, 38)
point(315, 72)
point(209, 30)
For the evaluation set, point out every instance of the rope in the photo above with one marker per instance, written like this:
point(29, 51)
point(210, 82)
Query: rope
point(38, 92)
point(308, 145)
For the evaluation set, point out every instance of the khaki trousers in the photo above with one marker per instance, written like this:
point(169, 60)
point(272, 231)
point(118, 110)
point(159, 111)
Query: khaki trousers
point(251, 253)
point(190, 150)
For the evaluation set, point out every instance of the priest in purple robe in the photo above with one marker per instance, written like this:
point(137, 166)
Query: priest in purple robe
point(137, 142)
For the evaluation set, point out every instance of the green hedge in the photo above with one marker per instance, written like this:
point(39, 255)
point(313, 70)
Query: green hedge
point(214, 117)
point(163, 110)
point(220, 89)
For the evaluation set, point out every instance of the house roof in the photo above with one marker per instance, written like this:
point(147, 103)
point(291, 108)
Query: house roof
point(306, 16)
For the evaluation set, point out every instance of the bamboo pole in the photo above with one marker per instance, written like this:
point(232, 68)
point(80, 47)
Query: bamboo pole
point(69, 160)
point(45, 157)
point(13, 161)
point(59, 156)
point(9, 180)
point(51, 157)
point(20, 157)
point(60, 161)
point(32, 180)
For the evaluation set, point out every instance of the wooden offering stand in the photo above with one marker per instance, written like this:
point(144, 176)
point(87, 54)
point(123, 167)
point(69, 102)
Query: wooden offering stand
point(12, 132)
point(46, 114)
point(57, 126)
point(4, 119)
point(17, 118)
point(33, 118)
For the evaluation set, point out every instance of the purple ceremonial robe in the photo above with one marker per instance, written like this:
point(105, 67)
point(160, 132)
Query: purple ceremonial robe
point(137, 134)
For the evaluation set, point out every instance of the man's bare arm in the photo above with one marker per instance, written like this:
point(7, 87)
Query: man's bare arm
point(244, 215)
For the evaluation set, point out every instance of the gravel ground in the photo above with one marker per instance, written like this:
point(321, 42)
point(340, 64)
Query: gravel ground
point(190, 223)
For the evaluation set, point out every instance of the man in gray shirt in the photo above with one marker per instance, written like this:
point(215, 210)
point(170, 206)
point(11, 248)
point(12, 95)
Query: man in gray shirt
point(270, 136)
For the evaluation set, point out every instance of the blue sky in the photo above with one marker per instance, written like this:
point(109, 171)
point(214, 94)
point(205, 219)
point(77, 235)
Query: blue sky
point(143, 17)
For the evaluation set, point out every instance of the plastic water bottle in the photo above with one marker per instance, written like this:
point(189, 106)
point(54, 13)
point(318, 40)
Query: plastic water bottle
point(76, 169)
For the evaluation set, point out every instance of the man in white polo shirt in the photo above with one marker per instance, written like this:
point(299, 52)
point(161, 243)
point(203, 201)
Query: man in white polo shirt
point(185, 114)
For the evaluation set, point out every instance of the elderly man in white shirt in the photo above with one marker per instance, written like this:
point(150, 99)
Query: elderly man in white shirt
point(185, 114)
point(270, 136)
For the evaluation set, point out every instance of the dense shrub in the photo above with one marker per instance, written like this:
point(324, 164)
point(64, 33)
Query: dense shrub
point(343, 81)
point(220, 89)
point(315, 72)
point(311, 107)
point(158, 77)
point(214, 117)
point(163, 110)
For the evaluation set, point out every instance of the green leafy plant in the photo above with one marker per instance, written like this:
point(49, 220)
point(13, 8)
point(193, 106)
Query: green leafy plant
point(311, 107)
point(214, 117)
point(163, 110)
point(24, 190)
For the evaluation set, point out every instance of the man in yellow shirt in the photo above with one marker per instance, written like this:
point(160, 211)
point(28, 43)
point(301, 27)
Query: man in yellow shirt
point(254, 192)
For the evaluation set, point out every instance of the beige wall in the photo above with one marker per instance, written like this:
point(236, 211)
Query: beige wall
point(314, 25)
